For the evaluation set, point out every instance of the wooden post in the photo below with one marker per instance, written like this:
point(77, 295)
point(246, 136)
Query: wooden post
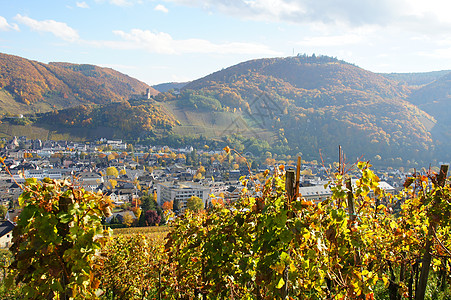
point(351, 206)
point(427, 257)
point(290, 190)
point(289, 184)
point(298, 177)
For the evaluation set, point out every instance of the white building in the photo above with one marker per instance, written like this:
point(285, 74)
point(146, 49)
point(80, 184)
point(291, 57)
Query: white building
point(39, 174)
point(318, 193)
point(315, 193)
point(182, 191)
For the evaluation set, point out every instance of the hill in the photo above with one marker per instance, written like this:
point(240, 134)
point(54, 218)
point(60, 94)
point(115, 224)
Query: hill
point(165, 87)
point(435, 99)
point(312, 103)
point(416, 79)
point(124, 120)
point(31, 86)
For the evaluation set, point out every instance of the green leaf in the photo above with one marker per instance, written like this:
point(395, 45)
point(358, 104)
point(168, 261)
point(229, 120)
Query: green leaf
point(65, 217)
point(280, 220)
point(286, 236)
point(27, 214)
point(9, 281)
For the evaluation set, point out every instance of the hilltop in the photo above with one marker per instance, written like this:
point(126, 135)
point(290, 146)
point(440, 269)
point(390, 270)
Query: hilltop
point(165, 87)
point(31, 86)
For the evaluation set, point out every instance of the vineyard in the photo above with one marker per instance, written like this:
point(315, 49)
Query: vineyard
point(361, 243)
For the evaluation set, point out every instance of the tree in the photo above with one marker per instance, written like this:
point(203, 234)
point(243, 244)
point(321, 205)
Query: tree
point(151, 218)
point(307, 172)
point(113, 183)
point(194, 204)
point(128, 219)
point(148, 202)
point(168, 205)
point(60, 231)
point(201, 170)
point(112, 171)
point(3, 211)
point(137, 211)
point(197, 176)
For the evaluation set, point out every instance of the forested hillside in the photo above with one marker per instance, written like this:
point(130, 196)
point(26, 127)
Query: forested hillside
point(434, 98)
point(165, 87)
point(31, 86)
point(115, 120)
point(416, 79)
point(313, 103)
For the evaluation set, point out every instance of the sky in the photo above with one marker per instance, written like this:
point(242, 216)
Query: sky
point(180, 40)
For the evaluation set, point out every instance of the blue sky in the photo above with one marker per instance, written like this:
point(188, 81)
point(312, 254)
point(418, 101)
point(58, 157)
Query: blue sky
point(179, 40)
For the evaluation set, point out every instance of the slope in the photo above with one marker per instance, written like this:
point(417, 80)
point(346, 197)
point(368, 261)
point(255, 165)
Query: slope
point(165, 87)
point(319, 102)
point(417, 78)
point(435, 99)
point(33, 86)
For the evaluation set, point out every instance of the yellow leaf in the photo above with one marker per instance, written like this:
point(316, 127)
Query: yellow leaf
point(281, 283)
point(392, 225)
point(385, 279)
point(292, 267)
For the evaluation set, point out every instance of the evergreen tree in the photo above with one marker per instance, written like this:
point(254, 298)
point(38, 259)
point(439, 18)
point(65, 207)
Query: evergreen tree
point(148, 202)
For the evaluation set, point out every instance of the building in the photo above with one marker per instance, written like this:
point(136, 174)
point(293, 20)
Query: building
point(318, 193)
point(38, 174)
point(181, 191)
point(315, 193)
point(6, 233)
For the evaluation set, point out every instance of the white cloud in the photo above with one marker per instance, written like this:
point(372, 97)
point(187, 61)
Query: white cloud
point(121, 2)
point(82, 4)
point(161, 8)
point(406, 14)
point(59, 29)
point(5, 26)
point(354, 12)
point(435, 9)
point(163, 43)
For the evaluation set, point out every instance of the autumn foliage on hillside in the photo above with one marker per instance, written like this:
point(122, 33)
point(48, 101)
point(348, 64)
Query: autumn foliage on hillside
point(30, 82)
point(321, 101)
point(131, 120)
